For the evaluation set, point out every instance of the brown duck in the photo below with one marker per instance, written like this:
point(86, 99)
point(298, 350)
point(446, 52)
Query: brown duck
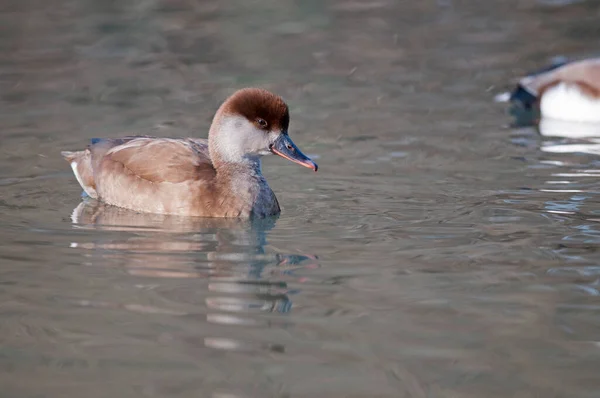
point(218, 177)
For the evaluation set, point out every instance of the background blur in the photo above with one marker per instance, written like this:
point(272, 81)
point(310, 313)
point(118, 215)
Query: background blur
point(437, 253)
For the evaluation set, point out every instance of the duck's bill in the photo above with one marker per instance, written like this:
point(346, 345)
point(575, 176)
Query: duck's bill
point(285, 147)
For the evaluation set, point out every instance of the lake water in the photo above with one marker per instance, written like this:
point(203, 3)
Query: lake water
point(437, 252)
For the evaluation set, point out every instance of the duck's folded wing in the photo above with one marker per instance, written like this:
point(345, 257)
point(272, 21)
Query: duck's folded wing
point(585, 73)
point(160, 160)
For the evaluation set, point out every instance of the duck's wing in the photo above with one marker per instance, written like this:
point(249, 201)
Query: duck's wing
point(156, 175)
point(585, 73)
point(155, 160)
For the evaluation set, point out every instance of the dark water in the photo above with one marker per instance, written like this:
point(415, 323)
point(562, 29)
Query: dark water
point(437, 253)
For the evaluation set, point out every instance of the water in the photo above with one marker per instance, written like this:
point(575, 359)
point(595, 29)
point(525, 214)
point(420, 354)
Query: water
point(437, 253)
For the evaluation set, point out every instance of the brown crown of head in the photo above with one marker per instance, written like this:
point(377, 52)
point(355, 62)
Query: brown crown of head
point(259, 105)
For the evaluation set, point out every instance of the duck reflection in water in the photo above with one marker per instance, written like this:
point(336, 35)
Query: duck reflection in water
point(230, 253)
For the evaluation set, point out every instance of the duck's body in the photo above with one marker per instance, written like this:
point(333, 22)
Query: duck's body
point(570, 101)
point(171, 176)
point(567, 91)
point(218, 177)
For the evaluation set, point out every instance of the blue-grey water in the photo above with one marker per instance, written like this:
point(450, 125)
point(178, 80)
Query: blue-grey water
point(436, 253)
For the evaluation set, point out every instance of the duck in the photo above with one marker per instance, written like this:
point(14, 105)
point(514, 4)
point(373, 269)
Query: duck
point(216, 177)
point(566, 90)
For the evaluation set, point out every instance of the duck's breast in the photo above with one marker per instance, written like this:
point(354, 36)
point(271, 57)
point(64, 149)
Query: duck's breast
point(266, 203)
point(247, 190)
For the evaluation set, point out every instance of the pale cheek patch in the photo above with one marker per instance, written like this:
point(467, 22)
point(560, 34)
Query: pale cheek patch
point(238, 139)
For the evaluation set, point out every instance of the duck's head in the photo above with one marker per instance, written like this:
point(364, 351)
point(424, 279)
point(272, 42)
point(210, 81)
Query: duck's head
point(250, 124)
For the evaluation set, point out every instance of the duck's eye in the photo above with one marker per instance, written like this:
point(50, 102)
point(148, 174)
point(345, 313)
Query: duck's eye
point(262, 123)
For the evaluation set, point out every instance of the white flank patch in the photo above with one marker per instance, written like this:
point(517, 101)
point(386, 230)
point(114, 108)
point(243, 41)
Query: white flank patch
point(568, 102)
point(76, 172)
point(91, 192)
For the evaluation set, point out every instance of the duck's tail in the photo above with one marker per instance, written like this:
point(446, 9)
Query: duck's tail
point(81, 163)
point(71, 156)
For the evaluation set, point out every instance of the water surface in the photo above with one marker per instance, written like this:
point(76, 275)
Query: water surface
point(437, 253)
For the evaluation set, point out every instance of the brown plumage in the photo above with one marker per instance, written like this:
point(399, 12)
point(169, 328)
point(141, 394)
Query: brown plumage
point(218, 177)
point(254, 104)
point(585, 74)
